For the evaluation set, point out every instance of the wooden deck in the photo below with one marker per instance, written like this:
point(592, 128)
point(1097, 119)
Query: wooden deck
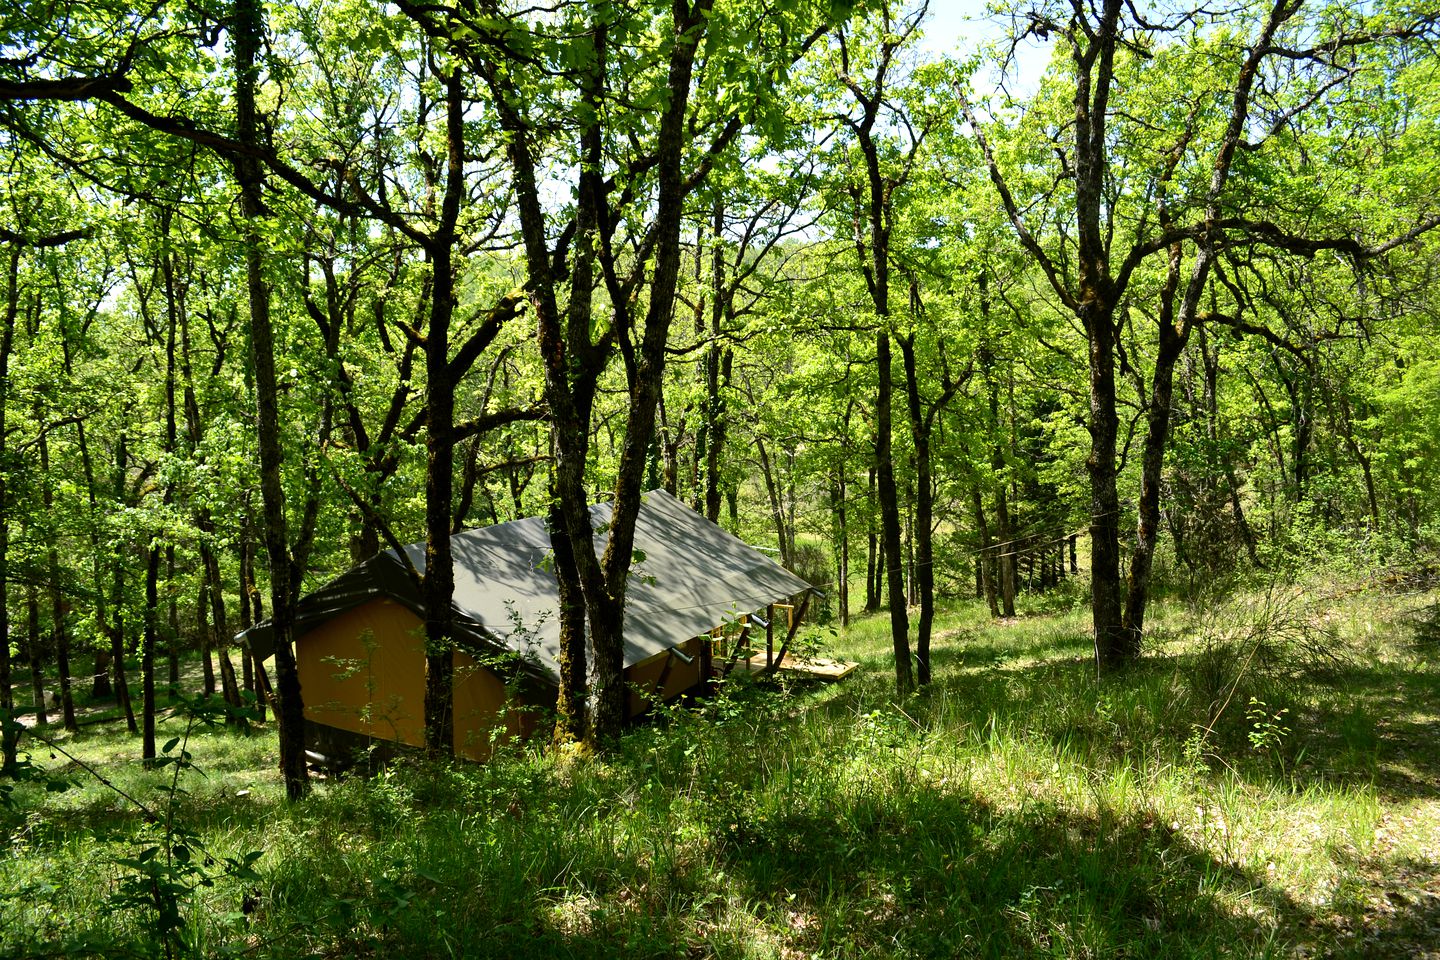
point(818, 667)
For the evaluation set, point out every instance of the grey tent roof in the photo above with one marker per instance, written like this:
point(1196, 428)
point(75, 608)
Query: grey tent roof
point(694, 576)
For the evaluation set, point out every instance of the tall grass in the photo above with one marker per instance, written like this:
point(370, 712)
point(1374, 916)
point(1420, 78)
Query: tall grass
point(1018, 807)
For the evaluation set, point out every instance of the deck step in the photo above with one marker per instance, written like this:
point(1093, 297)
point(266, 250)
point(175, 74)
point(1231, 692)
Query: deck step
point(818, 667)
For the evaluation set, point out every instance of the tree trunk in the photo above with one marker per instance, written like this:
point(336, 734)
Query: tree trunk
point(32, 648)
point(1211, 365)
point(439, 583)
point(1157, 432)
point(890, 518)
point(921, 424)
point(116, 629)
point(912, 594)
point(717, 369)
point(1152, 465)
point(57, 603)
point(172, 623)
point(207, 638)
point(984, 560)
point(570, 704)
point(607, 612)
point(840, 534)
point(1114, 648)
point(573, 361)
point(1001, 559)
point(62, 660)
point(214, 592)
point(100, 686)
point(9, 731)
point(117, 669)
point(152, 593)
point(777, 509)
point(874, 560)
point(248, 32)
point(147, 654)
point(255, 680)
point(1006, 550)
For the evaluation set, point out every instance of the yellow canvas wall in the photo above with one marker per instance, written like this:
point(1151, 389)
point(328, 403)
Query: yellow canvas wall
point(364, 671)
point(481, 715)
point(644, 675)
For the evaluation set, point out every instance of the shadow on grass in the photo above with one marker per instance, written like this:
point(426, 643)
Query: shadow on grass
point(917, 870)
point(1371, 725)
point(1362, 724)
point(978, 649)
point(1380, 727)
point(725, 838)
point(942, 874)
point(223, 788)
point(1403, 917)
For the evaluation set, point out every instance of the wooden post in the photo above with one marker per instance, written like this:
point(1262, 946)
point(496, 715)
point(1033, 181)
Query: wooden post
point(796, 616)
point(769, 635)
point(707, 665)
point(742, 642)
point(658, 692)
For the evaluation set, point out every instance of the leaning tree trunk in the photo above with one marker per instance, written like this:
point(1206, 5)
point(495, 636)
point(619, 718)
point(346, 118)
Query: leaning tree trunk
point(1152, 463)
point(569, 354)
point(607, 611)
point(438, 587)
point(777, 508)
point(213, 591)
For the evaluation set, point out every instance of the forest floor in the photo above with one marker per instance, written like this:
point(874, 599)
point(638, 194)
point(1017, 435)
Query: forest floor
point(1265, 783)
point(91, 710)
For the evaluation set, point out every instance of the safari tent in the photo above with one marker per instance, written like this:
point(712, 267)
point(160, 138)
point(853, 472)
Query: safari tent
point(360, 643)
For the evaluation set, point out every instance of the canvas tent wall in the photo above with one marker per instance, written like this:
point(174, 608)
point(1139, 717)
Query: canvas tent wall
point(360, 638)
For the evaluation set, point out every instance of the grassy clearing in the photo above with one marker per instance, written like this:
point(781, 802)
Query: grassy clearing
point(1017, 808)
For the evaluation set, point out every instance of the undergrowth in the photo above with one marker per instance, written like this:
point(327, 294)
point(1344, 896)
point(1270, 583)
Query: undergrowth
point(1262, 783)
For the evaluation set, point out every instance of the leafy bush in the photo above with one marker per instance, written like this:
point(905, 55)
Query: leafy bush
point(812, 563)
